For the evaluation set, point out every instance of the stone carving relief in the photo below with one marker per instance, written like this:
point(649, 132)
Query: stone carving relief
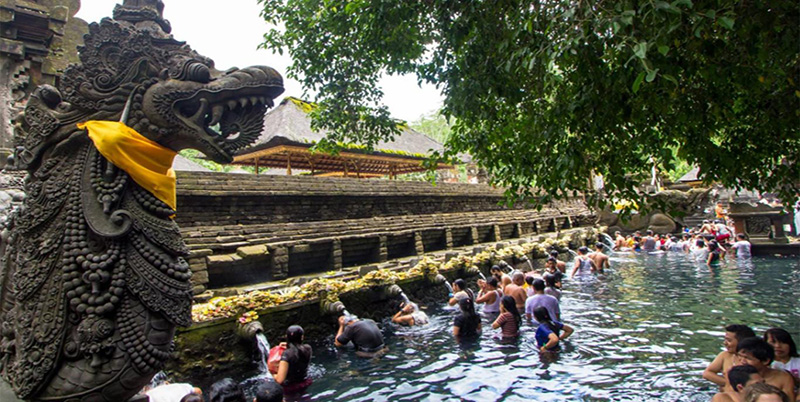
point(93, 279)
point(759, 226)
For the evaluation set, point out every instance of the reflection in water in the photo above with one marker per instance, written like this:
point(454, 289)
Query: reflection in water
point(644, 332)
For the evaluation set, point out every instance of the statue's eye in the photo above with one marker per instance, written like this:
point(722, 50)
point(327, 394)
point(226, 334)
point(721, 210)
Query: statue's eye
point(198, 72)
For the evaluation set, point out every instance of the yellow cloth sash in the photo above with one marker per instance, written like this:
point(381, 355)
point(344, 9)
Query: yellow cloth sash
point(147, 162)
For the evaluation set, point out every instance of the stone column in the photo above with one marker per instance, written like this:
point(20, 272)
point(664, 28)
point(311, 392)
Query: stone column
point(418, 245)
point(383, 249)
point(448, 238)
point(336, 254)
point(280, 261)
point(473, 234)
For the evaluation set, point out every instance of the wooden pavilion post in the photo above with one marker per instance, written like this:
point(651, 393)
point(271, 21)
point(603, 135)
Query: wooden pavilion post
point(392, 174)
point(345, 168)
point(257, 158)
point(289, 164)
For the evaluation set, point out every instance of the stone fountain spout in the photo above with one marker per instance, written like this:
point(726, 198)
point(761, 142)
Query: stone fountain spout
point(250, 330)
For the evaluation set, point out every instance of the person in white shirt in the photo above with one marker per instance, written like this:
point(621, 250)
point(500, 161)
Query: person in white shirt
point(742, 246)
point(699, 251)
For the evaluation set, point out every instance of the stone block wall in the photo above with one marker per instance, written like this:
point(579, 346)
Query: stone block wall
point(244, 230)
point(242, 199)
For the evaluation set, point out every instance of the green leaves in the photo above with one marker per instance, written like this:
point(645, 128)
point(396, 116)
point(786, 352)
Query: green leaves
point(638, 82)
point(544, 96)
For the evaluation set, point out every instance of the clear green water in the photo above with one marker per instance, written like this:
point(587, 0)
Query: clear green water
point(644, 332)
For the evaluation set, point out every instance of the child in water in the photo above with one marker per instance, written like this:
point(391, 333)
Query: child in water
point(549, 331)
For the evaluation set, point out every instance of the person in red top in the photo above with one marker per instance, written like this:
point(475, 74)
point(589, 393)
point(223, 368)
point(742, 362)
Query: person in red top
point(509, 319)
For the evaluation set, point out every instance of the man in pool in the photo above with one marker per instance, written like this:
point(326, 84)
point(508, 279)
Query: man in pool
point(600, 259)
point(738, 377)
point(516, 290)
point(724, 360)
point(759, 353)
point(561, 265)
point(365, 335)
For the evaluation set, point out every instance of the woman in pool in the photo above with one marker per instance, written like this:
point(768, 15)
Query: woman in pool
point(549, 331)
point(293, 369)
point(714, 253)
point(786, 357)
point(467, 324)
point(490, 296)
point(460, 291)
point(509, 319)
point(410, 315)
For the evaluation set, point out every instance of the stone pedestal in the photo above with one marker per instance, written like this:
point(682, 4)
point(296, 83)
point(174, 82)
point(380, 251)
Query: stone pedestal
point(761, 223)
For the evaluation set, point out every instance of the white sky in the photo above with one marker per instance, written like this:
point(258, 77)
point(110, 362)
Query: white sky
point(230, 31)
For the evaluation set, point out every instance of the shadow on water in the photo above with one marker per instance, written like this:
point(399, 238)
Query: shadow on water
point(644, 332)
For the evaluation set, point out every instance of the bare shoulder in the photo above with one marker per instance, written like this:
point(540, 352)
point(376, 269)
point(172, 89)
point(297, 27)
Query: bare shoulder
point(722, 397)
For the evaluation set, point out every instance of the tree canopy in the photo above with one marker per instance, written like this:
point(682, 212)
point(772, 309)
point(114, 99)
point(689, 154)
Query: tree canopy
point(546, 93)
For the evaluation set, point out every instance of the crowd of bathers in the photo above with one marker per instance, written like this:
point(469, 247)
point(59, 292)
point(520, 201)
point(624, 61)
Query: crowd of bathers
point(705, 247)
point(511, 298)
point(755, 368)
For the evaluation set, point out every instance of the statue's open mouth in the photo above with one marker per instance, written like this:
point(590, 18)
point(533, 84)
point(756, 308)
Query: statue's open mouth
point(230, 119)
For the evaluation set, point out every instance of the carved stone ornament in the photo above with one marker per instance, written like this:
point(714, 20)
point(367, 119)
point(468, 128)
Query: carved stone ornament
point(93, 276)
point(759, 226)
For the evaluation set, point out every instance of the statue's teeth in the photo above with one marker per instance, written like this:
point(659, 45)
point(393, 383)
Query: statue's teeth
point(243, 102)
point(262, 99)
point(269, 102)
point(232, 104)
point(216, 114)
point(254, 100)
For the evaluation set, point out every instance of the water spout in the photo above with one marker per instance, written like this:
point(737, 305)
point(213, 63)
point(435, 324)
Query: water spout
point(528, 261)
point(263, 349)
point(250, 330)
point(394, 291)
point(482, 275)
point(607, 241)
point(573, 254)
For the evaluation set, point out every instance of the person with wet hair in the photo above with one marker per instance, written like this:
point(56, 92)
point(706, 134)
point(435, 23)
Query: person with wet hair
point(269, 391)
point(502, 278)
point(725, 359)
point(509, 319)
point(551, 287)
point(761, 392)
point(548, 333)
point(583, 262)
point(760, 354)
point(365, 335)
point(699, 251)
point(599, 258)
point(467, 324)
point(742, 247)
point(410, 315)
point(226, 390)
point(560, 265)
point(460, 291)
point(490, 296)
point(786, 357)
point(739, 377)
point(540, 299)
point(714, 253)
point(292, 372)
point(192, 398)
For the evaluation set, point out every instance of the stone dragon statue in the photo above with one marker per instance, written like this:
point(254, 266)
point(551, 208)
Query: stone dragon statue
point(93, 280)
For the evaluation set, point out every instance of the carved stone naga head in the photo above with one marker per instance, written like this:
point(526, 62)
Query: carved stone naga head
point(175, 96)
point(93, 280)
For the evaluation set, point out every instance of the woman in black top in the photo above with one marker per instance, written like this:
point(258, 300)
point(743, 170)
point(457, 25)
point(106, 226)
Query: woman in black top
point(293, 369)
point(468, 323)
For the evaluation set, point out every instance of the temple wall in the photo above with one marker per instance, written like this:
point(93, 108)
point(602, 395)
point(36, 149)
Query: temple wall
point(247, 230)
point(234, 199)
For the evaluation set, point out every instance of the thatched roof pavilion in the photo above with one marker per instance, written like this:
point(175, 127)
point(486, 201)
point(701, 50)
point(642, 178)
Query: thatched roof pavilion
point(287, 138)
